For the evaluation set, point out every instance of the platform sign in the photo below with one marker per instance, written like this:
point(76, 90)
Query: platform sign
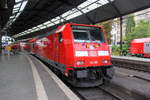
point(146, 47)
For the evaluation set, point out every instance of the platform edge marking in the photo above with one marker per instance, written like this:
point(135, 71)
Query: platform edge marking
point(63, 87)
point(40, 90)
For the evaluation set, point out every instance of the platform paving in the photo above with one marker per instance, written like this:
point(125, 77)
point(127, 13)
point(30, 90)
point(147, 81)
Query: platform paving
point(17, 81)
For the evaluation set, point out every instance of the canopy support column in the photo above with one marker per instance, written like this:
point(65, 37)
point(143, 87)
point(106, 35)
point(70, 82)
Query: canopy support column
point(0, 43)
point(121, 36)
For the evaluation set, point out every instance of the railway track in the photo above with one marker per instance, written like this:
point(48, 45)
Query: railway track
point(134, 76)
point(139, 65)
point(111, 94)
point(95, 93)
point(104, 92)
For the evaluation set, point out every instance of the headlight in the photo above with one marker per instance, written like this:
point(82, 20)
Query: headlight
point(81, 53)
point(103, 53)
point(80, 62)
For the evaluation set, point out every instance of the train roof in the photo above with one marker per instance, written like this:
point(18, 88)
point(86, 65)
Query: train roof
point(141, 40)
point(61, 27)
point(32, 40)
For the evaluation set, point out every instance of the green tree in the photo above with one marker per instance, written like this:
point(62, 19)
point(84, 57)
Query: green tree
point(130, 24)
point(141, 30)
point(107, 27)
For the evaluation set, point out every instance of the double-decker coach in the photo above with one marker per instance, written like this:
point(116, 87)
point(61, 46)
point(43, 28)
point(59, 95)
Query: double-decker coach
point(140, 47)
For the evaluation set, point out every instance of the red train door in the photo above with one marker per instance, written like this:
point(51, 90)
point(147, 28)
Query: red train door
point(56, 47)
point(59, 53)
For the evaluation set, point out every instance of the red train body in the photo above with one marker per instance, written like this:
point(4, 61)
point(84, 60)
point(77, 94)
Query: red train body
point(15, 46)
point(25, 46)
point(80, 52)
point(140, 47)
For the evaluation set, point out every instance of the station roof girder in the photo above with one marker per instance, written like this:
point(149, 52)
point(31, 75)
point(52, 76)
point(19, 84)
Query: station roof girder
point(6, 7)
point(110, 10)
point(38, 11)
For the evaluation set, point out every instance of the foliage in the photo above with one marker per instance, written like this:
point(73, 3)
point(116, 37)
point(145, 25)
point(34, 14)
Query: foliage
point(116, 50)
point(130, 24)
point(141, 30)
point(108, 27)
point(125, 49)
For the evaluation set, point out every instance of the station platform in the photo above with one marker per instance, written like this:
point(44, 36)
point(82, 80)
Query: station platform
point(23, 77)
point(132, 58)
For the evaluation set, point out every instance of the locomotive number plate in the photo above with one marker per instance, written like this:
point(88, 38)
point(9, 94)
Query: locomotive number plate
point(93, 53)
point(82, 74)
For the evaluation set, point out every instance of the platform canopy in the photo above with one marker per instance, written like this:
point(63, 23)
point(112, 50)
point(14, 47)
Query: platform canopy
point(6, 7)
point(43, 15)
point(30, 13)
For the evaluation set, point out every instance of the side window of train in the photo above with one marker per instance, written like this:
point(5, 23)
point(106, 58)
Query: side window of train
point(147, 45)
point(60, 37)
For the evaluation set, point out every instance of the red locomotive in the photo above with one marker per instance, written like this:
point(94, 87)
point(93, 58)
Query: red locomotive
point(140, 47)
point(79, 52)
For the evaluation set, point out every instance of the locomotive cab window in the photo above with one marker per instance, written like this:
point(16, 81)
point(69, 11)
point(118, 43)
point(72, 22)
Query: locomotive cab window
point(60, 37)
point(81, 34)
point(86, 33)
